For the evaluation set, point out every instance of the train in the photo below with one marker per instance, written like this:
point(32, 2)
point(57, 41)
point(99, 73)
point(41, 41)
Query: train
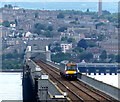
point(69, 70)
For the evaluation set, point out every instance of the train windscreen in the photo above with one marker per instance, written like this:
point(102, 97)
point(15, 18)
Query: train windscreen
point(72, 67)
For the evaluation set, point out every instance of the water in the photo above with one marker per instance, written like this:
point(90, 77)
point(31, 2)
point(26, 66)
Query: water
point(109, 79)
point(10, 86)
point(82, 6)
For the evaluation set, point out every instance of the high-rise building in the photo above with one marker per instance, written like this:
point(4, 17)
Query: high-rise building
point(100, 8)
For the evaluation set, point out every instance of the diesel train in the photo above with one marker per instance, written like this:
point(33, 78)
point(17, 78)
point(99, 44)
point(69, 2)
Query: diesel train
point(69, 70)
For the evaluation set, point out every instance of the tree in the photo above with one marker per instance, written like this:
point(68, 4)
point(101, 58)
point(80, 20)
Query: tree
point(71, 40)
point(20, 35)
point(76, 19)
point(82, 43)
point(60, 57)
point(40, 26)
point(56, 49)
point(118, 58)
point(5, 6)
point(103, 55)
point(50, 28)
point(60, 15)
point(36, 15)
point(10, 6)
point(91, 44)
point(6, 23)
point(16, 22)
point(62, 29)
point(105, 12)
point(112, 58)
point(87, 10)
point(77, 50)
point(48, 34)
point(64, 38)
point(101, 37)
point(86, 56)
point(99, 24)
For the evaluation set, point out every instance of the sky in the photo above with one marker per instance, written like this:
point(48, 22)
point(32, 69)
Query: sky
point(58, 0)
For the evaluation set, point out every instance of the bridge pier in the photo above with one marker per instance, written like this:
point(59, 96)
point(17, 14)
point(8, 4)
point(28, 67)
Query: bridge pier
point(28, 88)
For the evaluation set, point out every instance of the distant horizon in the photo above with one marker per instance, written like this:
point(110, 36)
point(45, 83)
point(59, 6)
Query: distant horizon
point(59, 0)
point(78, 6)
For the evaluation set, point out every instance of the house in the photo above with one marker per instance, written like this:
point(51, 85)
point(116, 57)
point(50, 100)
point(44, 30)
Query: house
point(110, 45)
point(28, 34)
point(65, 46)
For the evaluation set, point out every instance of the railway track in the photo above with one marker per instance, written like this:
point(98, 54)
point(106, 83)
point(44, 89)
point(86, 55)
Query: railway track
point(77, 91)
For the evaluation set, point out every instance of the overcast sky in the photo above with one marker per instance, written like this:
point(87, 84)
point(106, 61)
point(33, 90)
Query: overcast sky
point(57, 0)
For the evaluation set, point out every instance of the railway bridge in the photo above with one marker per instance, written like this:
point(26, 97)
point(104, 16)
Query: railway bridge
point(111, 68)
point(42, 82)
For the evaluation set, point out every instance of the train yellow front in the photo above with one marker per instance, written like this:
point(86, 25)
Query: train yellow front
point(69, 71)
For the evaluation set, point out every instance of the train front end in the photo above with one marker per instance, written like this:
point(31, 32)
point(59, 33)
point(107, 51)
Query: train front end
point(71, 71)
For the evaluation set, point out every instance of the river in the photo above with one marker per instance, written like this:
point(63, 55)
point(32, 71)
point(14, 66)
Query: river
point(10, 86)
point(109, 79)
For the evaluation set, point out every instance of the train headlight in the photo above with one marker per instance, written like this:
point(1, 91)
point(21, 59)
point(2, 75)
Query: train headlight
point(75, 72)
point(66, 72)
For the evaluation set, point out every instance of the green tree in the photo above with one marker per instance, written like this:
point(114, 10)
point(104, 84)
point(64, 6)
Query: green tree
point(82, 43)
point(118, 58)
point(48, 34)
point(101, 37)
point(105, 12)
point(71, 40)
point(16, 22)
point(5, 6)
point(20, 35)
point(112, 58)
point(62, 29)
point(10, 6)
point(76, 19)
point(99, 24)
point(77, 50)
point(6, 23)
point(91, 44)
point(60, 57)
point(40, 26)
point(56, 49)
point(36, 15)
point(103, 55)
point(60, 15)
point(64, 38)
point(86, 56)
point(87, 10)
point(50, 28)
point(73, 22)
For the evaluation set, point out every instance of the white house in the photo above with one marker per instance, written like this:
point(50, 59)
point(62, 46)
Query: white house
point(65, 46)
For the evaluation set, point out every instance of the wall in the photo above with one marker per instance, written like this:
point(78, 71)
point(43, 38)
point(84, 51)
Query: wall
point(110, 90)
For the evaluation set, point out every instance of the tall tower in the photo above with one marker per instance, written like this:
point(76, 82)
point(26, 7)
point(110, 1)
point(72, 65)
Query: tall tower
point(99, 8)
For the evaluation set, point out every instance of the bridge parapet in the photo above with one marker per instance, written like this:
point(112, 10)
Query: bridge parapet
point(104, 87)
point(98, 64)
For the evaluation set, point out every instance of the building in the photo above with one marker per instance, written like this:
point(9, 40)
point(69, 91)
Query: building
point(110, 45)
point(65, 46)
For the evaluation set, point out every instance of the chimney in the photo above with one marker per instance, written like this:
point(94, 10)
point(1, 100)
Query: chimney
point(100, 8)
